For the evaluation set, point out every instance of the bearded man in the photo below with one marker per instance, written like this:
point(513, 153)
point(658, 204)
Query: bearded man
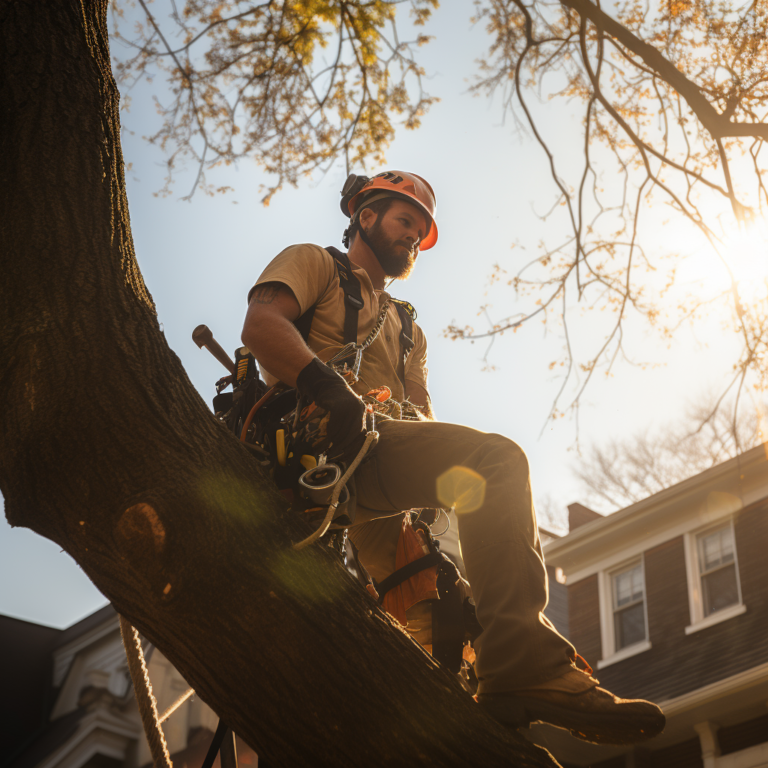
point(526, 670)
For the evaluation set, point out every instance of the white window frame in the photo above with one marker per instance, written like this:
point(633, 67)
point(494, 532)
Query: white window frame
point(693, 574)
point(607, 629)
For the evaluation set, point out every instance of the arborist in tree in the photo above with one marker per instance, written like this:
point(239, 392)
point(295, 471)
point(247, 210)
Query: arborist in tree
point(308, 303)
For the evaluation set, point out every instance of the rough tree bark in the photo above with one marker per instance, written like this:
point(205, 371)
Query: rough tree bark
point(106, 449)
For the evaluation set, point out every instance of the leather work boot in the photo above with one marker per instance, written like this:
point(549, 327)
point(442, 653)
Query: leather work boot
point(576, 703)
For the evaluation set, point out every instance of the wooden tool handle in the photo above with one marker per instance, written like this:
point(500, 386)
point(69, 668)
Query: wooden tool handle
point(203, 337)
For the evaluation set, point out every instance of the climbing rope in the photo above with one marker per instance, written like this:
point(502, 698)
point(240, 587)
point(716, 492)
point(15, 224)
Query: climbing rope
point(137, 667)
point(370, 440)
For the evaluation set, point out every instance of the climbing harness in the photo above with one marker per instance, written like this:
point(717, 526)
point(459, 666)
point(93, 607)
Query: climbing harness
point(352, 352)
point(454, 623)
point(370, 440)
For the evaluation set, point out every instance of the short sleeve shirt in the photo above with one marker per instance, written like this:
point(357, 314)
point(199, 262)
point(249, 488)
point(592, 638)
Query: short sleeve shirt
point(310, 272)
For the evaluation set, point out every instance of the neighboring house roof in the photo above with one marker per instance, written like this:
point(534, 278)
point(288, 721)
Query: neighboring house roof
point(71, 688)
point(47, 740)
point(26, 681)
point(89, 623)
point(717, 492)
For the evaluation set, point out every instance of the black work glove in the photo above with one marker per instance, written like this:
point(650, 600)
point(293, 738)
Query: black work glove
point(336, 423)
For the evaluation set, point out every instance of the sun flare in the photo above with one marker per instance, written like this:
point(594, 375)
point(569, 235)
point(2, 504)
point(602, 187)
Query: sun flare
point(747, 256)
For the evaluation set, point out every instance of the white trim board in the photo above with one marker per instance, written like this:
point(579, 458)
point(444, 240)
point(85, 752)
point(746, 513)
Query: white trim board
point(691, 518)
point(716, 690)
point(62, 657)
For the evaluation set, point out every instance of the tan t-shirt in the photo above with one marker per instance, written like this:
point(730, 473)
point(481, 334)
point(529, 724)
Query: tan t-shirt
point(310, 272)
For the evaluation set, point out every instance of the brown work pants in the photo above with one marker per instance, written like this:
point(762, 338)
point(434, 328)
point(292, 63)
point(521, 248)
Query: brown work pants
point(519, 648)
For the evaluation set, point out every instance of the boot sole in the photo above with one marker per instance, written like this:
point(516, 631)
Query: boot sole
point(603, 728)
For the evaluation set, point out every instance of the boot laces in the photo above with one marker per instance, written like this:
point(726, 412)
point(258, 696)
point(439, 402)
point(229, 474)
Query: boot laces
point(587, 670)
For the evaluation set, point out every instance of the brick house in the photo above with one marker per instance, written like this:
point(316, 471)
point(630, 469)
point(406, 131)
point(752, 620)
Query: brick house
point(668, 601)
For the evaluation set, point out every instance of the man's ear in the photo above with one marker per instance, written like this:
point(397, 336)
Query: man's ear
point(367, 218)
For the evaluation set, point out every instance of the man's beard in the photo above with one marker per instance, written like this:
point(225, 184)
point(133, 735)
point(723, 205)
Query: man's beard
point(396, 257)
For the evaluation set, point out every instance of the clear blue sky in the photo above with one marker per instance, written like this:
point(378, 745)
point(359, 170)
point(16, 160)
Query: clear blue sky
point(200, 258)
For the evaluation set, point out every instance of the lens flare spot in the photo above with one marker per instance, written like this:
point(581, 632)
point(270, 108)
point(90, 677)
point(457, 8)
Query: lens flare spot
point(720, 503)
point(461, 488)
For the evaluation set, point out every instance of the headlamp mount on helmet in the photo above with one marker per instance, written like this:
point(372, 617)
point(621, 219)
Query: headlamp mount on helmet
point(352, 186)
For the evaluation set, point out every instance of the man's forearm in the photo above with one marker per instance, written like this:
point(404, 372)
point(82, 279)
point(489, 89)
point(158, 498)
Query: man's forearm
point(277, 345)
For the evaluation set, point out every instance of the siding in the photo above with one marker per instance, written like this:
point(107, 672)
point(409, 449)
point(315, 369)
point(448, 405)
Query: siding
point(584, 619)
point(557, 607)
point(734, 738)
point(677, 662)
point(685, 755)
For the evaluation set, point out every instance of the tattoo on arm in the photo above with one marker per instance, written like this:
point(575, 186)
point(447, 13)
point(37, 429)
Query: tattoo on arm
point(265, 293)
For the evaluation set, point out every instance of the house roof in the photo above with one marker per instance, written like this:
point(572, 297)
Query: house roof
point(90, 622)
point(27, 734)
point(45, 741)
point(720, 490)
point(26, 679)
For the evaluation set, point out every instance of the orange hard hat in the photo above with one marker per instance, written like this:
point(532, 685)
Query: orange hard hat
point(408, 186)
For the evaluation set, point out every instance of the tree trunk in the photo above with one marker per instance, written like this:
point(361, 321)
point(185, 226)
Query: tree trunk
point(106, 448)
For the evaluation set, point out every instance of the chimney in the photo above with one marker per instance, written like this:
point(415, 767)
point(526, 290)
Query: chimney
point(578, 515)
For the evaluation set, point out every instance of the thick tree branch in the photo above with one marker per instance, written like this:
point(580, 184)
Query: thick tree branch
point(719, 126)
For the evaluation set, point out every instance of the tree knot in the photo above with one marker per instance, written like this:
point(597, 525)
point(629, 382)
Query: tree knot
point(140, 526)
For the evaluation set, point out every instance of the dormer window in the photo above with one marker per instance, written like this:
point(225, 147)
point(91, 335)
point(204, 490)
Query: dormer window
point(628, 607)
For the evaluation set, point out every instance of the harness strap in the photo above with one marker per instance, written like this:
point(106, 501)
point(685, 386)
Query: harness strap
point(353, 303)
point(448, 621)
point(353, 297)
point(407, 313)
point(403, 574)
point(304, 323)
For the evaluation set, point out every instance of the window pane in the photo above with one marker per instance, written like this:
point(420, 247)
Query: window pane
point(630, 626)
point(637, 583)
point(628, 586)
point(720, 589)
point(716, 549)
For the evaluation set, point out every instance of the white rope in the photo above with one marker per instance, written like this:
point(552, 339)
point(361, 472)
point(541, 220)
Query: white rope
point(370, 440)
point(176, 704)
point(137, 666)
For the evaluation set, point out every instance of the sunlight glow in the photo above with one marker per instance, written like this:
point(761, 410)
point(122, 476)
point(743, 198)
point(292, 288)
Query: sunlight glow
point(747, 255)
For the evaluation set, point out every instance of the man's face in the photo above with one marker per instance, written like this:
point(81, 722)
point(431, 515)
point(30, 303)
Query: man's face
point(395, 236)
